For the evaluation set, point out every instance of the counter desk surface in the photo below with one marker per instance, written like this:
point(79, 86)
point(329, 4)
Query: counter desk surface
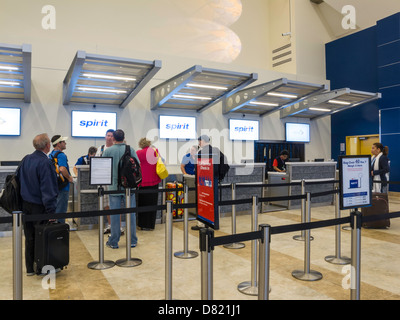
point(297, 171)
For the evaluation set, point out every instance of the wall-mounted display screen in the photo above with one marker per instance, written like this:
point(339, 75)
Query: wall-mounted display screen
point(244, 129)
point(10, 121)
point(92, 124)
point(177, 127)
point(297, 132)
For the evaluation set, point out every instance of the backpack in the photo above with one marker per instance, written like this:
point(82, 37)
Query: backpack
point(129, 172)
point(61, 181)
point(11, 199)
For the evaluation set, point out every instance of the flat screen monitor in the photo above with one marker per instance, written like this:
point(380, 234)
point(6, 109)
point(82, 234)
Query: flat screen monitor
point(244, 130)
point(177, 127)
point(88, 124)
point(10, 122)
point(297, 132)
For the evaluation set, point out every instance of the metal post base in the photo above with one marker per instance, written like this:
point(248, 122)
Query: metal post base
point(311, 276)
point(96, 265)
point(301, 238)
point(134, 262)
point(236, 245)
point(247, 288)
point(186, 255)
point(338, 260)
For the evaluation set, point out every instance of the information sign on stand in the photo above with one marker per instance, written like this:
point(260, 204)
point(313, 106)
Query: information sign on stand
point(355, 181)
point(207, 191)
point(100, 172)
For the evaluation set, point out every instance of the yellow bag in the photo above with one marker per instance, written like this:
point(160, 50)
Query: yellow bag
point(161, 169)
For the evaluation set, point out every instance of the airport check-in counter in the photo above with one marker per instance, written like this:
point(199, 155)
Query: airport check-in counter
point(297, 171)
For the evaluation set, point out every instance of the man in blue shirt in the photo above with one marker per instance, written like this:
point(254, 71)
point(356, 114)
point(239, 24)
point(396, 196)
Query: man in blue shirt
point(188, 163)
point(85, 159)
point(39, 191)
point(60, 145)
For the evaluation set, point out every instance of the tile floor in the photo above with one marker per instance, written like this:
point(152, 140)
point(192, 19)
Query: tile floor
point(380, 265)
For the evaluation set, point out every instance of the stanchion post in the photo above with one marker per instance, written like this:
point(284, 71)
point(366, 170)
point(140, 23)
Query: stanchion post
point(17, 255)
point(264, 266)
point(186, 253)
point(307, 274)
point(128, 261)
point(355, 255)
point(168, 252)
point(250, 287)
point(337, 258)
point(101, 264)
point(207, 271)
point(302, 236)
point(236, 245)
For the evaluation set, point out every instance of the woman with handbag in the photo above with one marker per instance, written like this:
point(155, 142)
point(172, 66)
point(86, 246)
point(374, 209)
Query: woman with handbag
point(149, 161)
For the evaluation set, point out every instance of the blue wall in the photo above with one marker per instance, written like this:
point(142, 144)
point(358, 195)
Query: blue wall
point(368, 60)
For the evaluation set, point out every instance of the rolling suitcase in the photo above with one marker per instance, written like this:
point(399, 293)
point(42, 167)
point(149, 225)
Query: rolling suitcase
point(380, 205)
point(51, 246)
point(175, 197)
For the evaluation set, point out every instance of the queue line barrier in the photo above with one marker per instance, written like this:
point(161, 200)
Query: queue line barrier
point(18, 218)
point(208, 242)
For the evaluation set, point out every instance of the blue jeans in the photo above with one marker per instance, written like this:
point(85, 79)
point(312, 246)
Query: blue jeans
point(62, 203)
point(118, 202)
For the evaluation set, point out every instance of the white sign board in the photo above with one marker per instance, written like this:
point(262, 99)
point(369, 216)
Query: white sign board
point(244, 129)
point(355, 181)
point(92, 124)
point(10, 121)
point(178, 127)
point(100, 172)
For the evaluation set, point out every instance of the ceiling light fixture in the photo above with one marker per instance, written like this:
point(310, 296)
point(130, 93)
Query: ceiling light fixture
point(8, 68)
point(282, 95)
point(9, 83)
point(319, 109)
point(344, 103)
point(101, 90)
point(205, 86)
point(265, 104)
point(182, 96)
point(100, 76)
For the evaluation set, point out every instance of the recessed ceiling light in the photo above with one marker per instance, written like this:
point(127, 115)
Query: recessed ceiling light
point(184, 96)
point(206, 86)
point(282, 95)
point(101, 90)
point(344, 103)
point(101, 76)
point(265, 104)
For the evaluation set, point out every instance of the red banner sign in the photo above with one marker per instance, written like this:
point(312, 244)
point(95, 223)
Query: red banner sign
point(207, 191)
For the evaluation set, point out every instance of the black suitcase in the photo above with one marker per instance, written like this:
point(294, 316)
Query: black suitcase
point(380, 205)
point(51, 246)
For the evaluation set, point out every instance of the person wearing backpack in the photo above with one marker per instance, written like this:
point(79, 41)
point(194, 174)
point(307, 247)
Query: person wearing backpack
point(39, 191)
point(59, 143)
point(117, 201)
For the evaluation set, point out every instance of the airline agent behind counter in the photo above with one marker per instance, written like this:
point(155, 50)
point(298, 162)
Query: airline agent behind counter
point(279, 162)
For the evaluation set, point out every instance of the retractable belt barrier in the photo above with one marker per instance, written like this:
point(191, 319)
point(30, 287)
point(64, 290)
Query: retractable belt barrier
point(207, 240)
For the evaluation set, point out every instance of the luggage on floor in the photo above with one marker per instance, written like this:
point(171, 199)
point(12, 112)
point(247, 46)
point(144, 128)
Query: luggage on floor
point(175, 196)
point(51, 246)
point(380, 205)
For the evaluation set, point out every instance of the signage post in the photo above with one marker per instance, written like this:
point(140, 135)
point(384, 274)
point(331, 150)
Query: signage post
point(207, 191)
point(355, 182)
